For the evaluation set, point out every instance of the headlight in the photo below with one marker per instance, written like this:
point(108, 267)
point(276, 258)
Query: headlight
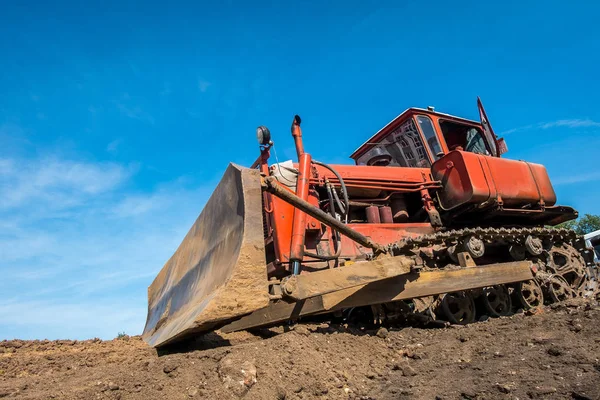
point(263, 135)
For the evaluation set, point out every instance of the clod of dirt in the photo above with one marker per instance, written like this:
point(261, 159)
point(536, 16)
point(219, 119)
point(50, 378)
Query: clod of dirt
point(554, 351)
point(167, 369)
point(301, 330)
point(237, 376)
point(504, 388)
point(540, 392)
point(297, 388)
point(382, 333)
point(280, 393)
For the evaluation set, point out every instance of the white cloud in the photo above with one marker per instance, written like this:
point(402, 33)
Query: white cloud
point(79, 245)
point(571, 123)
point(135, 112)
point(203, 85)
point(561, 123)
point(576, 178)
point(56, 182)
point(113, 146)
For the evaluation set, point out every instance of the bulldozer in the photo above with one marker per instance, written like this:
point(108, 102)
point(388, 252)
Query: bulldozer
point(430, 221)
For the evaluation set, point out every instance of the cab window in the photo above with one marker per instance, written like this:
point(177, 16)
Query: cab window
point(403, 147)
point(464, 137)
point(412, 151)
point(429, 134)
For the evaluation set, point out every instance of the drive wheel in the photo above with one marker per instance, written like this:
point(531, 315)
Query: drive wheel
point(496, 301)
point(458, 308)
point(529, 294)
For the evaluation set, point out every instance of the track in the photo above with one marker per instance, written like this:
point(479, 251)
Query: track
point(563, 269)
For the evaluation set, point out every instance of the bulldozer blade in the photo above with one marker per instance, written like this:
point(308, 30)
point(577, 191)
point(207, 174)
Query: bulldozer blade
point(218, 272)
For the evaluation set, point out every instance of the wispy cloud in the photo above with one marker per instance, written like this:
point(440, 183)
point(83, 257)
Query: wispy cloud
point(561, 123)
point(80, 244)
point(135, 112)
point(126, 107)
point(113, 146)
point(571, 123)
point(576, 178)
point(56, 181)
point(203, 85)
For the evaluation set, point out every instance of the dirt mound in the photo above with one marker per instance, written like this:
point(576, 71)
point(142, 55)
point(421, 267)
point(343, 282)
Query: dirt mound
point(553, 354)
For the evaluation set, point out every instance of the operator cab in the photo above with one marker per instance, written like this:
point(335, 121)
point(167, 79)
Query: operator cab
point(418, 137)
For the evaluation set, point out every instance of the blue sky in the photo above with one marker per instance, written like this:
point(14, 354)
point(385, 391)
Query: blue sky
point(117, 120)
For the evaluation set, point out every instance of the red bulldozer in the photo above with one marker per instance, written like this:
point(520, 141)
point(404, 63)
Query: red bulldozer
point(431, 222)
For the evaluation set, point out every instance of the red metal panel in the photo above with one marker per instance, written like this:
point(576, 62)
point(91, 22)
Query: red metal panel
point(470, 178)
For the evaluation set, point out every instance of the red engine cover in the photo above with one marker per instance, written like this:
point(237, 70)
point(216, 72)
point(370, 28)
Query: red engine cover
point(470, 178)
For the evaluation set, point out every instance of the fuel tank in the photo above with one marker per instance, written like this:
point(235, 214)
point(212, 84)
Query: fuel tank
point(470, 178)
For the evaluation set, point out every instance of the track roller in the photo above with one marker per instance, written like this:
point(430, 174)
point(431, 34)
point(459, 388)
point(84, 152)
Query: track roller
point(495, 301)
point(458, 307)
point(528, 294)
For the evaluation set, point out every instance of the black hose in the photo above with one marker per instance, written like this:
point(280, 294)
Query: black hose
point(346, 208)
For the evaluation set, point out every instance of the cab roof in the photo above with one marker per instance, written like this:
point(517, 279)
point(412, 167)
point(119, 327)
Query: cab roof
point(393, 123)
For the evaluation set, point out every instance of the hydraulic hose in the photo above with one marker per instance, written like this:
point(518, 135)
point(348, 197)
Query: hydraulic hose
point(334, 233)
point(346, 208)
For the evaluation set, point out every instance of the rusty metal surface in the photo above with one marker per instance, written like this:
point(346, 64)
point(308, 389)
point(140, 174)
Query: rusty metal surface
point(470, 178)
point(218, 272)
point(407, 286)
point(330, 280)
point(429, 283)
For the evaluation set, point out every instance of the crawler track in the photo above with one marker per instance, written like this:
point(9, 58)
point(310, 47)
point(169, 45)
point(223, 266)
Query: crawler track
point(563, 269)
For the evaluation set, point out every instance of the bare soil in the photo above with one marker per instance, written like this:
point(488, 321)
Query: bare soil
point(553, 354)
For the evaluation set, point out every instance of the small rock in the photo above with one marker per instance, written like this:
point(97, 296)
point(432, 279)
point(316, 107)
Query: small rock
point(297, 388)
point(407, 370)
point(504, 388)
point(554, 351)
point(371, 375)
point(580, 396)
point(280, 393)
point(320, 389)
point(167, 369)
point(301, 330)
point(469, 395)
point(249, 373)
point(192, 391)
point(113, 386)
point(463, 339)
point(542, 390)
point(382, 333)
point(576, 328)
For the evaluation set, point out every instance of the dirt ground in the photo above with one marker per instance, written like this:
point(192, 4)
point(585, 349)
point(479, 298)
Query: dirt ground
point(553, 354)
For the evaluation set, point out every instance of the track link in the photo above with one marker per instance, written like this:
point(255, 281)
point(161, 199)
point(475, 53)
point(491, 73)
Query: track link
point(563, 268)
